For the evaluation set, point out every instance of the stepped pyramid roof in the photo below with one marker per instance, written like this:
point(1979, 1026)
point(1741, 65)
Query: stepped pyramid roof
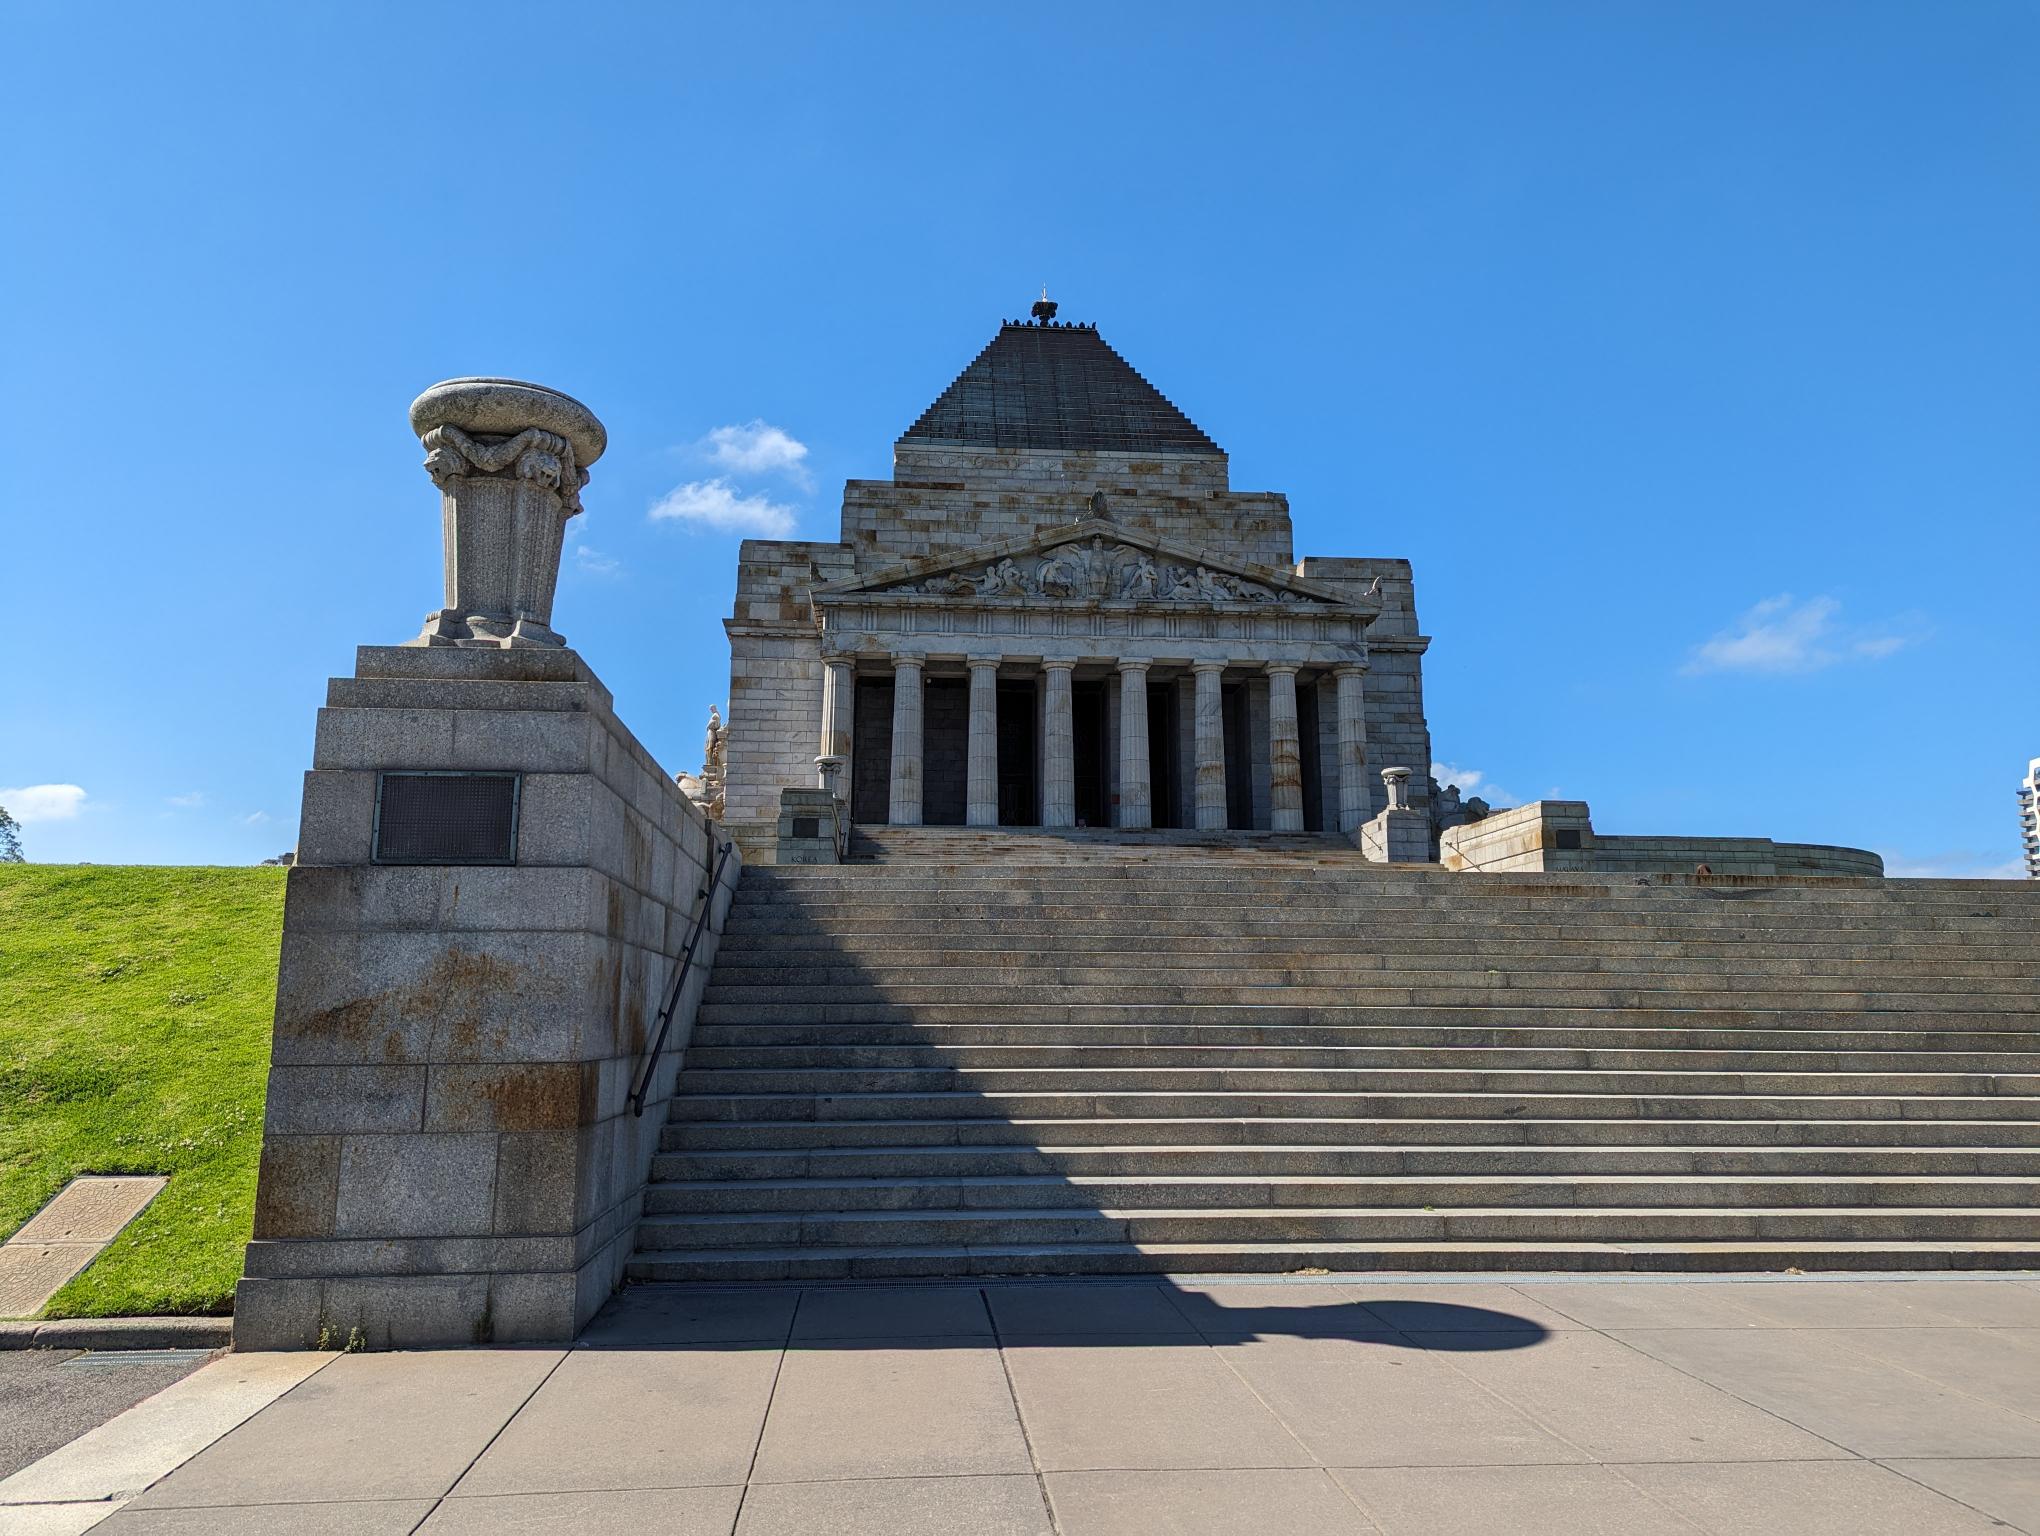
point(1057, 386)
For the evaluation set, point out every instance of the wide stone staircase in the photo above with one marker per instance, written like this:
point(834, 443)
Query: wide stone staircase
point(1076, 1056)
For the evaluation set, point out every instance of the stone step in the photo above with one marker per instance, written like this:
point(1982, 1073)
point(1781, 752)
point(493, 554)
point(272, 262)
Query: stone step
point(1392, 989)
point(1380, 933)
point(1376, 1036)
point(974, 1194)
point(1270, 1258)
point(1786, 943)
point(1589, 1103)
point(828, 1082)
point(753, 1057)
point(1291, 1224)
point(1515, 1011)
point(770, 966)
point(1283, 1160)
point(1232, 887)
point(1254, 1131)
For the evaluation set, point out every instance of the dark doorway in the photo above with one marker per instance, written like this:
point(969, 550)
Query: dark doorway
point(871, 752)
point(1019, 787)
point(1239, 787)
point(1308, 747)
point(945, 751)
point(1087, 733)
point(1162, 755)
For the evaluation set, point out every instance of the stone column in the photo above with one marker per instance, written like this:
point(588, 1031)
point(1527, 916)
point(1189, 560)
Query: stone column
point(904, 805)
point(1136, 794)
point(509, 460)
point(1285, 761)
point(1058, 749)
point(981, 796)
point(1211, 807)
point(1355, 804)
point(838, 691)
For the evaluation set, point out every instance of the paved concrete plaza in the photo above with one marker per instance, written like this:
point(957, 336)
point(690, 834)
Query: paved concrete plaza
point(1393, 1405)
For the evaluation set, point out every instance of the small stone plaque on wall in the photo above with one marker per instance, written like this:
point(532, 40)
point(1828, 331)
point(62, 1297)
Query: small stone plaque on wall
point(446, 818)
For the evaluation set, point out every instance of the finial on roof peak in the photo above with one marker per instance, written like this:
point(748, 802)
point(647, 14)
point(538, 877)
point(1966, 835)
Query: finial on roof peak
point(1044, 307)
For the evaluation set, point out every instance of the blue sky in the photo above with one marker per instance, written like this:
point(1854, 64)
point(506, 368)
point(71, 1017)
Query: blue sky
point(1687, 349)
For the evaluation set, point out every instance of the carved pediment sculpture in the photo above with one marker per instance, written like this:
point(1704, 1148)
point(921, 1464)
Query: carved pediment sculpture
point(1096, 570)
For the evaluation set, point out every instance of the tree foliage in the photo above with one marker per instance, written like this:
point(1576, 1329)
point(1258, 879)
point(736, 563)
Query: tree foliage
point(10, 839)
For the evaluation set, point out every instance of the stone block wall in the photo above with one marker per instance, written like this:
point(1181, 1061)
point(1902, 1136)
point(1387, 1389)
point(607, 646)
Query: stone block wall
point(1529, 838)
point(448, 1155)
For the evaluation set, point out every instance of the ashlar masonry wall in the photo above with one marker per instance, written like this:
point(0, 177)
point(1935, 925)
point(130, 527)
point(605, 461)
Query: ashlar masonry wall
point(448, 1154)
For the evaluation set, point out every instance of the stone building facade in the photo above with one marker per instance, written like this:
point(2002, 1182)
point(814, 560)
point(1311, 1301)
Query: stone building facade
point(1059, 613)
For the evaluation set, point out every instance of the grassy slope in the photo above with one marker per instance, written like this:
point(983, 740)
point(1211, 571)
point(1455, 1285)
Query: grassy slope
point(135, 1008)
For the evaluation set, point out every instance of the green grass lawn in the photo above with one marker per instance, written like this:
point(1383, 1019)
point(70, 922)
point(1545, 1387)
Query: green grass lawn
point(135, 1008)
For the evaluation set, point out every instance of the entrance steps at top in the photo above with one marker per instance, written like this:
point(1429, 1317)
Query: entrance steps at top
point(1173, 1056)
point(1009, 846)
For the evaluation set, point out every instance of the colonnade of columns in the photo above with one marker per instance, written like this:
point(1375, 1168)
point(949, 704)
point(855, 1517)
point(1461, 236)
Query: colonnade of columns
point(1136, 780)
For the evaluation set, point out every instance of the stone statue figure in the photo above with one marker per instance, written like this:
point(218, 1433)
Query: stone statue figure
point(1062, 573)
point(1002, 580)
point(706, 788)
point(1140, 579)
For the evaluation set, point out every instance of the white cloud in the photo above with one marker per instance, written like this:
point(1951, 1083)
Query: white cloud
point(1471, 782)
point(190, 802)
point(1960, 864)
point(594, 562)
point(714, 504)
point(1780, 635)
point(255, 819)
point(759, 448)
point(43, 802)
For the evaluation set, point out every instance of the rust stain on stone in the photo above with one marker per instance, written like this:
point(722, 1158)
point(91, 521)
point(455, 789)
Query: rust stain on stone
point(537, 1098)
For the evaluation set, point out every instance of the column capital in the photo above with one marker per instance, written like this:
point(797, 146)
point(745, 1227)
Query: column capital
point(1053, 665)
point(977, 663)
point(1201, 667)
point(1275, 668)
point(1125, 665)
point(1350, 669)
point(916, 662)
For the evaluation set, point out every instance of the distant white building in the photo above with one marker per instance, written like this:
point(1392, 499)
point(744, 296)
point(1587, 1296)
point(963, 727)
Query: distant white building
point(2029, 818)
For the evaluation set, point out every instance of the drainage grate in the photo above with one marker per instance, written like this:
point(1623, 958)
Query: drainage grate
point(110, 1359)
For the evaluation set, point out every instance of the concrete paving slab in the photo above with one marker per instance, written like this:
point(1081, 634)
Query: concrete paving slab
point(654, 1314)
point(1837, 1498)
point(91, 1209)
point(1355, 1403)
point(1998, 1365)
point(128, 1453)
point(640, 1512)
point(932, 1506)
point(878, 1313)
point(1860, 1404)
point(1617, 1404)
point(1648, 1306)
point(397, 1517)
point(382, 1426)
point(899, 1410)
point(1296, 1311)
point(1141, 1402)
point(1203, 1503)
point(615, 1418)
point(2006, 1488)
point(1104, 1309)
point(1881, 1303)
point(1523, 1501)
point(1460, 1308)
point(57, 1519)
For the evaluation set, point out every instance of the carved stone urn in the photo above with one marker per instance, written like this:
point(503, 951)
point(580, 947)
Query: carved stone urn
point(509, 459)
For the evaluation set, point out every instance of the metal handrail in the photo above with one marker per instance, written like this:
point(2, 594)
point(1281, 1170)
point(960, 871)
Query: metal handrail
point(643, 1085)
